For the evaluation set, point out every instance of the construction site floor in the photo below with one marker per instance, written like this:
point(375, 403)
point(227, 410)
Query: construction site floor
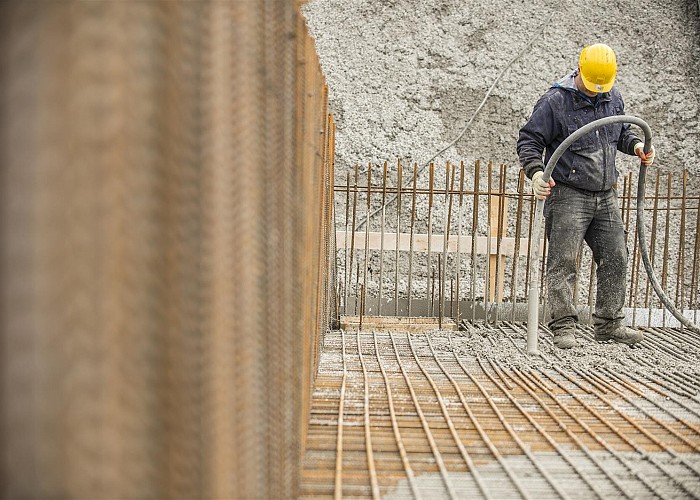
point(469, 414)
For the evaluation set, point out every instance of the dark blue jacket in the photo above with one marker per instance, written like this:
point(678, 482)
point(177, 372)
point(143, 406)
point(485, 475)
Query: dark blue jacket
point(589, 163)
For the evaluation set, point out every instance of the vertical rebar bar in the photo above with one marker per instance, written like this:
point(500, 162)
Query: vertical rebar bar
point(652, 245)
point(680, 275)
point(399, 181)
point(429, 296)
point(369, 209)
point(446, 236)
point(381, 245)
point(626, 202)
point(432, 290)
point(362, 306)
point(664, 271)
point(439, 270)
point(347, 229)
point(500, 286)
point(475, 231)
point(694, 282)
point(410, 243)
point(352, 236)
point(458, 265)
point(636, 259)
point(357, 287)
point(516, 251)
point(489, 208)
point(626, 207)
point(529, 238)
point(545, 249)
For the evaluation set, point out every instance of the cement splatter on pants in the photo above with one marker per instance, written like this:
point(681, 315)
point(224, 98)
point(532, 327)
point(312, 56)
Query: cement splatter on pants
point(572, 217)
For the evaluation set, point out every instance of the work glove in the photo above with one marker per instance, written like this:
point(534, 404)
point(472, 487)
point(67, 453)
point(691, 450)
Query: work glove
point(539, 187)
point(648, 158)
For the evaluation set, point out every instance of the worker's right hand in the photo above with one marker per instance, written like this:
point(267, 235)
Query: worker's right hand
point(539, 187)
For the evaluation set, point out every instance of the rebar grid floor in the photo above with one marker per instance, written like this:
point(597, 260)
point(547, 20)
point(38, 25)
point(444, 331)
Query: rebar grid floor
point(470, 415)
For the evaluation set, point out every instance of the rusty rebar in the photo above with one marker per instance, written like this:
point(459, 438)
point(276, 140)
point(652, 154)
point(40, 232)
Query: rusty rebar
point(366, 260)
point(426, 427)
point(516, 253)
point(664, 271)
point(448, 420)
point(680, 273)
point(499, 237)
point(694, 284)
point(352, 236)
point(458, 266)
point(428, 273)
point(489, 241)
point(338, 484)
point(449, 186)
point(381, 245)
point(451, 268)
point(529, 238)
point(475, 232)
point(367, 423)
point(394, 423)
point(410, 243)
point(399, 181)
point(439, 270)
point(652, 245)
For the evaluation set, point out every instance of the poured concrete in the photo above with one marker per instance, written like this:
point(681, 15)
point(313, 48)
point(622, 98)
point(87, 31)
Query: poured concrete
point(469, 414)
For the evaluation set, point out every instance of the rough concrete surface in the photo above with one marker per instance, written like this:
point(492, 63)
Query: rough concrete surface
point(405, 76)
point(496, 344)
point(598, 420)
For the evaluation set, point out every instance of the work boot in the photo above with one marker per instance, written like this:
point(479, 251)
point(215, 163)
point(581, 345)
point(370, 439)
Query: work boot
point(618, 333)
point(564, 331)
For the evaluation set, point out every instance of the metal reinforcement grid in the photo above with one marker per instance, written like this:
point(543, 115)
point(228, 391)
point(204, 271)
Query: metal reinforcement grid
point(453, 242)
point(468, 415)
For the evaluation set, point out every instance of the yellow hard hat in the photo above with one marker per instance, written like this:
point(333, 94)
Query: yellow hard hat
point(598, 67)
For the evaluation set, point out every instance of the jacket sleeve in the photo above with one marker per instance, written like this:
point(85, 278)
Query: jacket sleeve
point(537, 133)
point(628, 139)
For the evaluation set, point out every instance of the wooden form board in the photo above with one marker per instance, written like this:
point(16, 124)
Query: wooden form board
point(484, 245)
point(396, 324)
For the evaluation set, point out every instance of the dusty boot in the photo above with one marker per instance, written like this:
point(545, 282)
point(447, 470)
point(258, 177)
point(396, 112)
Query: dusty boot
point(564, 333)
point(617, 332)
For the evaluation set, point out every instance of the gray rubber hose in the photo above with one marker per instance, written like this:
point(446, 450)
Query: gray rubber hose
point(533, 293)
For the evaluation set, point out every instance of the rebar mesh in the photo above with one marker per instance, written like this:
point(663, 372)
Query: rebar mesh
point(165, 247)
point(401, 264)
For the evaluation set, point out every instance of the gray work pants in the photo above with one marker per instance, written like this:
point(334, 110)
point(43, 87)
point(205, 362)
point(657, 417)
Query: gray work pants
point(573, 216)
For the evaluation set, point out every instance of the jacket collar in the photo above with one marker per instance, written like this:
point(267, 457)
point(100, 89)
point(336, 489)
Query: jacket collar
point(581, 100)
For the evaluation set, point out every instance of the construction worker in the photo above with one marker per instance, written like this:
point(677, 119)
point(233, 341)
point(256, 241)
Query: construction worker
point(581, 200)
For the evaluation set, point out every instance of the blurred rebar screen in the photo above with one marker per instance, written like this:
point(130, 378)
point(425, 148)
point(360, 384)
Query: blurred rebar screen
point(165, 242)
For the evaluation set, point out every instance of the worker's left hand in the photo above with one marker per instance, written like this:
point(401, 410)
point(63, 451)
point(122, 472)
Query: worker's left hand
point(648, 158)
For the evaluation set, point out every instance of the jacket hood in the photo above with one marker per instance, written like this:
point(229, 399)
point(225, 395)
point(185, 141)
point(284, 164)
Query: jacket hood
point(567, 82)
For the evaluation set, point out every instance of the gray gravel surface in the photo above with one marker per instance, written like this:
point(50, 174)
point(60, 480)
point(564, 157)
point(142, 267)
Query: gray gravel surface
point(405, 76)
